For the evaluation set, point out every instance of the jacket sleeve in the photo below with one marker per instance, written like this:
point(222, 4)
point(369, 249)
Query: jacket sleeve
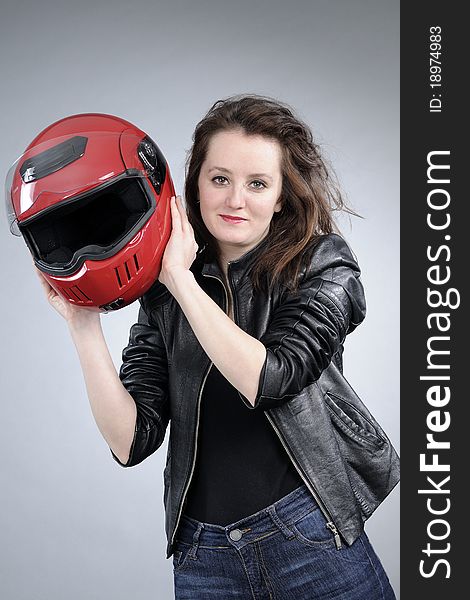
point(144, 374)
point(309, 326)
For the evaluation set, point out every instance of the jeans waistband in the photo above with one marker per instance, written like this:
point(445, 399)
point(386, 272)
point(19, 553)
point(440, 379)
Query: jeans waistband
point(278, 516)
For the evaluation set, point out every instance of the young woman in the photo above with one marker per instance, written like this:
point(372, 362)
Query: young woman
point(273, 462)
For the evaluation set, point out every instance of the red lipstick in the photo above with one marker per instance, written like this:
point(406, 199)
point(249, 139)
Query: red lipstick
point(230, 219)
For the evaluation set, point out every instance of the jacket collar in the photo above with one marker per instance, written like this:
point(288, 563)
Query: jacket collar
point(236, 268)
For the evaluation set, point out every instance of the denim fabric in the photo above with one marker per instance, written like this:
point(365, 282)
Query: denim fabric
point(282, 552)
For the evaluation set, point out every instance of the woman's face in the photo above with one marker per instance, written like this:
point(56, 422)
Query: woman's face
point(239, 189)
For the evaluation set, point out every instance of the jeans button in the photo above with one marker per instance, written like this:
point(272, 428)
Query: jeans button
point(235, 535)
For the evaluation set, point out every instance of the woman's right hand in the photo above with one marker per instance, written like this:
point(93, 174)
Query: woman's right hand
point(74, 315)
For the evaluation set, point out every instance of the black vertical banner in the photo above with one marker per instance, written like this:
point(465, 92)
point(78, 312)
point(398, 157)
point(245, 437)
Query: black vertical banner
point(434, 289)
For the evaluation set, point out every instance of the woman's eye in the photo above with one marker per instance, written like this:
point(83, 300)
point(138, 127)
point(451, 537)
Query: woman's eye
point(260, 186)
point(219, 177)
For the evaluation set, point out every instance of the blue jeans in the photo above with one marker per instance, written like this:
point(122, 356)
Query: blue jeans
point(282, 552)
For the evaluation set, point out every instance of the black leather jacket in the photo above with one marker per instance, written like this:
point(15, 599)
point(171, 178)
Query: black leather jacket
point(341, 452)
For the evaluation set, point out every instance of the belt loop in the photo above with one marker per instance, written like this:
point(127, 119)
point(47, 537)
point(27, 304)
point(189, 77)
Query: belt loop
point(277, 521)
point(192, 552)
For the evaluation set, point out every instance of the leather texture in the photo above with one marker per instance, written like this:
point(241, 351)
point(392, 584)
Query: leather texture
point(342, 453)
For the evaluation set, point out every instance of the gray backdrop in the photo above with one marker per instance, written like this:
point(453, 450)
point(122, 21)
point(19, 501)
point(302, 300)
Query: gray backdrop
point(74, 524)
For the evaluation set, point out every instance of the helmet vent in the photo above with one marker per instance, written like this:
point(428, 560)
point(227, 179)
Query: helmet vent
point(54, 159)
point(116, 270)
point(123, 272)
point(77, 295)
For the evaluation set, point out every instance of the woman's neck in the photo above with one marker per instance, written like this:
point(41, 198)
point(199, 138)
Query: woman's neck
point(229, 253)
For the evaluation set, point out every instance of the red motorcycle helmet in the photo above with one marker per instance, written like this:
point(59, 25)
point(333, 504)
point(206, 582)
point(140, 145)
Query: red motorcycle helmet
point(91, 198)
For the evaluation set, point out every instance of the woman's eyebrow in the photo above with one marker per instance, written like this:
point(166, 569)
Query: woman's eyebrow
point(230, 172)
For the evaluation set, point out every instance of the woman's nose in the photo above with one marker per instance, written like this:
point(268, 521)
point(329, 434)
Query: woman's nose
point(236, 197)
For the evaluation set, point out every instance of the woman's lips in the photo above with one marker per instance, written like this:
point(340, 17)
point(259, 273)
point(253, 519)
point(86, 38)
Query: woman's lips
point(228, 219)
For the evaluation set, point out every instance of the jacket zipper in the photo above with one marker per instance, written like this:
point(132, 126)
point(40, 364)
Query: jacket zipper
point(194, 455)
point(330, 524)
point(180, 510)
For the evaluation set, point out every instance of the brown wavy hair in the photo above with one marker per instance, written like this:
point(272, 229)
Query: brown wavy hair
point(309, 190)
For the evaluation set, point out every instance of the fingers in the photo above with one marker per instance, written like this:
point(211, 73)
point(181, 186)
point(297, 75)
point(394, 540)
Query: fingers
point(48, 289)
point(41, 278)
point(184, 218)
point(177, 222)
point(179, 213)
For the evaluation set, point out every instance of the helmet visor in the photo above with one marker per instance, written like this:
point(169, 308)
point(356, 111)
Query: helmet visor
point(52, 172)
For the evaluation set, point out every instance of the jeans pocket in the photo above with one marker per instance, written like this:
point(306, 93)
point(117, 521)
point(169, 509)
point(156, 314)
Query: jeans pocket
point(311, 530)
point(180, 555)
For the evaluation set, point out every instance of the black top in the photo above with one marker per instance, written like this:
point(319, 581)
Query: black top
point(241, 465)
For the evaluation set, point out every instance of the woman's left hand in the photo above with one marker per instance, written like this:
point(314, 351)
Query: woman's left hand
point(181, 248)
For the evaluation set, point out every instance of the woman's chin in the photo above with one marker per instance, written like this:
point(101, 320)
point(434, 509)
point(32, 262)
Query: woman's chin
point(231, 237)
point(237, 238)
